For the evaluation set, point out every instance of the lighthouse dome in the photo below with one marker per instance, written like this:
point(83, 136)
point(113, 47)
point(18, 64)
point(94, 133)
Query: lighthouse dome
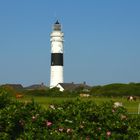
point(57, 26)
point(57, 22)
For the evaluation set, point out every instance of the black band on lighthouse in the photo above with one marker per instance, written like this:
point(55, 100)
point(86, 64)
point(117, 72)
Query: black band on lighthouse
point(56, 59)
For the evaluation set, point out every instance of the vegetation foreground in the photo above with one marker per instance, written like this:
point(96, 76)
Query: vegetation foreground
point(72, 119)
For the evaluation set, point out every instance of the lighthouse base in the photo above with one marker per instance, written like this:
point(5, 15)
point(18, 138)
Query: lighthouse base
point(56, 76)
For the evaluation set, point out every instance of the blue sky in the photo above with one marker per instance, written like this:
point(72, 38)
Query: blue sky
point(102, 40)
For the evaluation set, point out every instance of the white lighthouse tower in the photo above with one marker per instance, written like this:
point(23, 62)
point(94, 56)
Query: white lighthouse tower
point(56, 74)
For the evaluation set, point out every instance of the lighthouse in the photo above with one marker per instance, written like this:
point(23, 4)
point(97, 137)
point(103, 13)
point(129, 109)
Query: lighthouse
point(57, 39)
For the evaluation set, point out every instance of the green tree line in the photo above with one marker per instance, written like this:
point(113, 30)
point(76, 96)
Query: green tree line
point(116, 89)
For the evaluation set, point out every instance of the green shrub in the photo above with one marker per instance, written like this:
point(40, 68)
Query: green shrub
point(117, 89)
point(4, 99)
point(74, 120)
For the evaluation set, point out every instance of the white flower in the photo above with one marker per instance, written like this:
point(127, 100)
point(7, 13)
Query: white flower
point(52, 107)
point(59, 108)
point(69, 130)
point(69, 121)
point(117, 104)
point(61, 129)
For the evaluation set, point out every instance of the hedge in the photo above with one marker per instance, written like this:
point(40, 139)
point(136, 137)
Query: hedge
point(71, 120)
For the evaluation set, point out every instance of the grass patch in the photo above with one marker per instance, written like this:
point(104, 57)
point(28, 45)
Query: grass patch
point(131, 106)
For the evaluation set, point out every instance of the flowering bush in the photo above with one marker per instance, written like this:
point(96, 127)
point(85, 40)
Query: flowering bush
point(74, 120)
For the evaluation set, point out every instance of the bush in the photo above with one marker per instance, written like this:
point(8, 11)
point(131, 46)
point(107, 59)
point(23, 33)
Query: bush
point(53, 92)
point(76, 119)
point(4, 99)
point(117, 89)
